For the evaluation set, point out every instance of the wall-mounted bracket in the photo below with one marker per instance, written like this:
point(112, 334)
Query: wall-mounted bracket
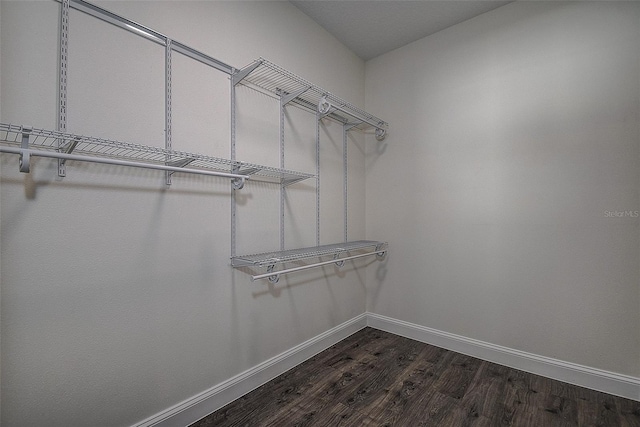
point(237, 183)
point(25, 154)
point(66, 149)
point(324, 106)
point(239, 75)
point(180, 163)
point(274, 278)
point(336, 257)
point(286, 98)
point(380, 133)
point(349, 126)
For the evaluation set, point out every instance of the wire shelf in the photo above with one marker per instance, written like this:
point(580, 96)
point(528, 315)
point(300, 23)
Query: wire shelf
point(48, 140)
point(278, 81)
point(266, 259)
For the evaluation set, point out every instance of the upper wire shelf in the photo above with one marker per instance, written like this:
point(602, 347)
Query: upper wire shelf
point(266, 259)
point(274, 79)
point(86, 148)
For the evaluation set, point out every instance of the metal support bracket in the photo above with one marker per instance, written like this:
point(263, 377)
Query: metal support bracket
point(239, 75)
point(349, 126)
point(237, 183)
point(339, 263)
point(380, 253)
point(274, 278)
point(180, 163)
point(66, 149)
point(25, 154)
point(286, 98)
point(381, 133)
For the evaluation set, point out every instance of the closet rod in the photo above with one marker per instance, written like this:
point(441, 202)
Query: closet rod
point(339, 261)
point(64, 156)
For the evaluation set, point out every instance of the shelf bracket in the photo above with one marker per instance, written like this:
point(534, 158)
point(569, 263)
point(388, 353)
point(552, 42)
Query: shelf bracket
point(180, 163)
point(339, 263)
point(25, 154)
point(239, 75)
point(349, 126)
point(286, 98)
point(66, 149)
point(381, 133)
point(237, 183)
point(248, 171)
point(274, 278)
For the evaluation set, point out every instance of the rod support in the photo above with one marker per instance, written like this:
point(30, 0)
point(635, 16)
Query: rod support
point(25, 153)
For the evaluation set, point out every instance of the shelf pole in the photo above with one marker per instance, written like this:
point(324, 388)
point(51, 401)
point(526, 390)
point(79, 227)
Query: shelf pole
point(282, 186)
point(27, 152)
point(275, 274)
point(318, 118)
point(345, 165)
point(63, 48)
point(167, 105)
point(234, 207)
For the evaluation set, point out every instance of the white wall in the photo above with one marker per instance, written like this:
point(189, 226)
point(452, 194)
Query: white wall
point(118, 300)
point(513, 134)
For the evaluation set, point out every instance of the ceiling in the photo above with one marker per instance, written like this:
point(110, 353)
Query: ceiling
point(373, 27)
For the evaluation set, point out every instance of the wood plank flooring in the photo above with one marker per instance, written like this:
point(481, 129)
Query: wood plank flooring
point(374, 378)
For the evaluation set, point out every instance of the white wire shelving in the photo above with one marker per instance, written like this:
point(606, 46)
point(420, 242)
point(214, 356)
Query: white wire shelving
point(274, 79)
point(27, 142)
point(340, 251)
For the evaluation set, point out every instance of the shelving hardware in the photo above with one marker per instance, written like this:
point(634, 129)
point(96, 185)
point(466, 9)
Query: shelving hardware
point(267, 76)
point(290, 89)
point(341, 252)
point(27, 142)
point(262, 75)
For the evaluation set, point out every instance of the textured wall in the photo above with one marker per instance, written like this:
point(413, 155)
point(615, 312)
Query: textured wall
point(118, 300)
point(515, 139)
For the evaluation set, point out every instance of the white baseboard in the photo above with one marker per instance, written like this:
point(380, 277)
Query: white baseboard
point(572, 373)
point(201, 405)
point(220, 395)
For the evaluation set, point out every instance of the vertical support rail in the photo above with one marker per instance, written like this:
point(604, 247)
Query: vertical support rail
point(167, 105)
point(282, 187)
point(318, 118)
point(63, 46)
point(233, 158)
point(345, 165)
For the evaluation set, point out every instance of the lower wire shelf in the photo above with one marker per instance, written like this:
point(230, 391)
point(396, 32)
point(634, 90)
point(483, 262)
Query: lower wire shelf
point(341, 252)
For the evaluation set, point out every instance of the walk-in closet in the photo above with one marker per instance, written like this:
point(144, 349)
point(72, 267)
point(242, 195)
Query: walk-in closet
point(345, 213)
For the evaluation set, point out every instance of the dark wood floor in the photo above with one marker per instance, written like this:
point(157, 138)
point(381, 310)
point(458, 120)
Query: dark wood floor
point(374, 378)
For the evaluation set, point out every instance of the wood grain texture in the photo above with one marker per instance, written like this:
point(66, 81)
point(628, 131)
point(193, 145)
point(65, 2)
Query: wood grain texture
point(375, 378)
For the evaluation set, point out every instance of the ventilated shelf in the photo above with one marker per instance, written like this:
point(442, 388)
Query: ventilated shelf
point(266, 259)
point(274, 79)
point(39, 142)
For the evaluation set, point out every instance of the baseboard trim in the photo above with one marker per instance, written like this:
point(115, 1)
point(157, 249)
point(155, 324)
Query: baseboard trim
point(572, 373)
point(201, 405)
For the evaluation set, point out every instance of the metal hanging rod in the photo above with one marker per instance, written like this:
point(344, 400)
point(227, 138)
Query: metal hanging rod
point(26, 153)
point(274, 276)
point(28, 141)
